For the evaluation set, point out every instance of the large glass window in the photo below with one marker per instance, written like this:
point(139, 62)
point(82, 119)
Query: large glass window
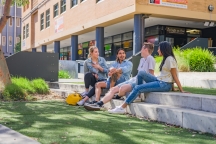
point(42, 21)
point(117, 38)
point(73, 3)
point(63, 6)
point(108, 50)
point(47, 18)
point(128, 45)
point(55, 10)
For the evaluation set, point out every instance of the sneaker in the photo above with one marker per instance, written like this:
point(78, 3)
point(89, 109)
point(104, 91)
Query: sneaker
point(92, 107)
point(83, 94)
point(118, 97)
point(138, 99)
point(81, 103)
point(92, 102)
point(117, 110)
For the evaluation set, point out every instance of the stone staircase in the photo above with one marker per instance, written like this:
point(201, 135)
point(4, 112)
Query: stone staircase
point(191, 111)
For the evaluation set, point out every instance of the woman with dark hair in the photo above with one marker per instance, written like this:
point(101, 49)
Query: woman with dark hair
point(118, 73)
point(162, 83)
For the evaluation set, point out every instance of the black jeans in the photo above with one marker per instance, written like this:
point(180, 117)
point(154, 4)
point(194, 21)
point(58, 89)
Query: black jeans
point(91, 80)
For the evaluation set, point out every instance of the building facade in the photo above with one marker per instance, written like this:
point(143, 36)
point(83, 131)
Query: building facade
point(70, 27)
point(11, 33)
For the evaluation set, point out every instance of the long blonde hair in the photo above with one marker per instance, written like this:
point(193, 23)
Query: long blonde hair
point(91, 50)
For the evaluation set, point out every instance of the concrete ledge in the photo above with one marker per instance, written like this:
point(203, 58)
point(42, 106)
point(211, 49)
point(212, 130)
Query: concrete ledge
point(9, 136)
point(67, 86)
point(183, 100)
point(64, 93)
point(186, 118)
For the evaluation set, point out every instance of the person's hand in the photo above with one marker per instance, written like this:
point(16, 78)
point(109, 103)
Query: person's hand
point(96, 76)
point(110, 74)
point(97, 66)
point(175, 89)
point(112, 70)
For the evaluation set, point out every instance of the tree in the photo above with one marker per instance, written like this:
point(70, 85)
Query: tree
point(4, 72)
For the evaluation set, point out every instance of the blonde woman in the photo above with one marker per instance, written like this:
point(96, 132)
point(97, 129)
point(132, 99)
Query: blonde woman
point(95, 69)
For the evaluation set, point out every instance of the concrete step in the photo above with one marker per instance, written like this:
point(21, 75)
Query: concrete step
point(66, 86)
point(65, 93)
point(184, 100)
point(186, 118)
point(9, 136)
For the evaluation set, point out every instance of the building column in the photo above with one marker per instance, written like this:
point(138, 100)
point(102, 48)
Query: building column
point(74, 47)
point(57, 47)
point(44, 48)
point(100, 40)
point(34, 50)
point(139, 32)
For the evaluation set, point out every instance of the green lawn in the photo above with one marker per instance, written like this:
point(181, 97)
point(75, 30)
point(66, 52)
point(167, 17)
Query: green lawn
point(200, 91)
point(54, 122)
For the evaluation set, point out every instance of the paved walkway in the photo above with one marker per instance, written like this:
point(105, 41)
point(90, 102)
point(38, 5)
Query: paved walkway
point(9, 136)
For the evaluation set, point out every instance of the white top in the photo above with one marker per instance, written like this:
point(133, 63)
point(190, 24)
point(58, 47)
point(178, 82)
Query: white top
point(165, 74)
point(145, 65)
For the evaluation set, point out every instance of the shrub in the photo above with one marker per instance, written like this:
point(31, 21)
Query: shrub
point(24, 83)
point(40, 86)
point(183, 63)
point(200, 60)
point(64, 74)
point(14, 92)
point(194, 59)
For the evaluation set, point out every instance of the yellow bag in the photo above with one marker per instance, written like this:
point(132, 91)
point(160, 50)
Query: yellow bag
point(73, 98)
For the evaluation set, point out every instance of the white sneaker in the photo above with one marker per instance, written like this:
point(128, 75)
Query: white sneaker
point(138, 99)
point(117, 110)
point(81, 102)
point(83, 94)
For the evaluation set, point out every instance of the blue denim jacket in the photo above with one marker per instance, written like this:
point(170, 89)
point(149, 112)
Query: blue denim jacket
point(126, 67)
point(89, 68)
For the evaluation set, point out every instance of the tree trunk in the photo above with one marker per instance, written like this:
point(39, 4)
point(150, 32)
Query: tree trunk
point(4, 72)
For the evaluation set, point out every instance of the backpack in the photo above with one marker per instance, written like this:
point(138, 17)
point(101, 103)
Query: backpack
point(73, 98)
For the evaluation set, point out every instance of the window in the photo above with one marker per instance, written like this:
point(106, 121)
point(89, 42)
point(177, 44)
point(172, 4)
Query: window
point(24, 32)
point(10, 40)
point(42, 21)
point(27, 30)
point(17, 40)
point(47, 18)
point(73, 3)
point(63, 6)
point(18, 22)
point(55, 10)
point(10, 21)
point(3, 40)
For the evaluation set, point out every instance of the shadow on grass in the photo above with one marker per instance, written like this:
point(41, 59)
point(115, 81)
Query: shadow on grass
point(53, 121)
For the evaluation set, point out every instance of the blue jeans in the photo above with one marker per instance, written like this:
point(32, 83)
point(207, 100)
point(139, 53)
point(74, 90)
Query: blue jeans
point(152, 85)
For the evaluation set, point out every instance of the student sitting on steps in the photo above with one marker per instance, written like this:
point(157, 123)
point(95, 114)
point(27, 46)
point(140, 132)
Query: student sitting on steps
point(147, 63)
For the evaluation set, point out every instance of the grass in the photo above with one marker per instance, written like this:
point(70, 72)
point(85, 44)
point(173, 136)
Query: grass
point(52, 122)
point(200, 91)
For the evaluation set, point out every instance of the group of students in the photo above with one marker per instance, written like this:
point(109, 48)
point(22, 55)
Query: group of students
point(119, 81)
